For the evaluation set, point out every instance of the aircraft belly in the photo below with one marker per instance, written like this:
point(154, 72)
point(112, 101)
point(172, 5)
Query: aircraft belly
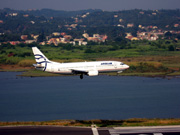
point(111, 70)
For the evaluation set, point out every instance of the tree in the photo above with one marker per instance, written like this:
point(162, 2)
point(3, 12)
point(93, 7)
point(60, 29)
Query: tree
point(171, 48)
point(41, 37)
point(168, 35)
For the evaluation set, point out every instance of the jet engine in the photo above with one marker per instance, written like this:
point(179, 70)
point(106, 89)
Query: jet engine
point(92, 73)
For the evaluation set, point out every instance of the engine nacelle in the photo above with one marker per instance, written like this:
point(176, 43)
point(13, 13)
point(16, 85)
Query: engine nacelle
point(92, 73)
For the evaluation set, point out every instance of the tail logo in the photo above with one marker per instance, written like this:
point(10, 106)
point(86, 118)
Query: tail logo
point(38, 57)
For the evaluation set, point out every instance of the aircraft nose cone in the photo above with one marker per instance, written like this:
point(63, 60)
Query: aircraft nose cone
point(127, 66)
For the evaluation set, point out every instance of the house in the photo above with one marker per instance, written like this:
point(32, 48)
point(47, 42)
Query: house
point(68, 37)
point(42, 43)
point(150, 27)
point(73, 25)
point(120, 20)
point(26, 15)
point(176, 25)
point(63, 33)
point(32, 22)
point(30, 41)
point(24, 37)
point(177, 48)
point(153, 38)
point(13, 14)
point(130, 25)
point(79, 42)
point(54, 41)
point(96, 35)
point(129, 37)
point(34, 36)
point(56, 34)
point(155, 27)
point(128, 34)
point(97, 38)
point(142, 13)
point(140, 26)
point(85, 35)
point(76, 20)
point(134, 38)
point(14, 42)
point(84, 16)
point(119, 25)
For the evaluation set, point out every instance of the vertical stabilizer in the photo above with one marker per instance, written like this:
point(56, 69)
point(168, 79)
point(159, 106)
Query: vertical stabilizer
point(40, 59)
point(39, 56)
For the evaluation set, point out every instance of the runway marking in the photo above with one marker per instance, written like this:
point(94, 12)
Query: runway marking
point(158, 134)
point(95, 131)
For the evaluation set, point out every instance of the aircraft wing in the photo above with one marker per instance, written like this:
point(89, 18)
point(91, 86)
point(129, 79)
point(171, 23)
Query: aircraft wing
point(79, 71)
point(91, 72)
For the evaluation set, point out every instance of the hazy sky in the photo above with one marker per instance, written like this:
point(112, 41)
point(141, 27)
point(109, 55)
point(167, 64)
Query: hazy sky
point(109, 5)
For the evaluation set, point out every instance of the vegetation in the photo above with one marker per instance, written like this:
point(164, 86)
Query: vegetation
point(101, 123)
point(10, 54)
point(145, 58)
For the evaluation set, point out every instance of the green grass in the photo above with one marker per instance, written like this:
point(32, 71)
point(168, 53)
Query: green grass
point(99, 51)
point(101, 123)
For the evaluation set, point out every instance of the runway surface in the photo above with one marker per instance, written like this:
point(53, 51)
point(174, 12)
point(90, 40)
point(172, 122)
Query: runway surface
point(159, 130)
point(56, 130)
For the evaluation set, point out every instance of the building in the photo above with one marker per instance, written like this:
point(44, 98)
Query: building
point(30, 41)
point(85, 35)
point(56, 34)
point(26, 15)
point(14, 42)
point(24, 37)
point(130, 25)
point(79, 42)
point(68, 37)
point(176, 25)
point(13, 14)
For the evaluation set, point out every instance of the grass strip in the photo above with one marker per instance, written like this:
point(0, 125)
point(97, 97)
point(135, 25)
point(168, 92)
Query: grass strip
point(100, 123)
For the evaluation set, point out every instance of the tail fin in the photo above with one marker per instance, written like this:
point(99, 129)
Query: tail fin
point(40, 59)
point(39, 56)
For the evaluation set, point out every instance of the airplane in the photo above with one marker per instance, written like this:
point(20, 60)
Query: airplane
point(82, 68)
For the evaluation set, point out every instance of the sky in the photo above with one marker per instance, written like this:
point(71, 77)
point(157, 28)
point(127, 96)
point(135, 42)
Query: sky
point(107, 5)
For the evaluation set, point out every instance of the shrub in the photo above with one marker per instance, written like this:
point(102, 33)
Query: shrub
point(26, 63)
point(12, 60)
point(147, 67)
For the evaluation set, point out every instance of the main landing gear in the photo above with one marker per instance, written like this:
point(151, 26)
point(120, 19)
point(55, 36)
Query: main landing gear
point(81, 76)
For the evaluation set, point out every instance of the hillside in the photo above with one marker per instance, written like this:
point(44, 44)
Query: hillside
point(75, 23)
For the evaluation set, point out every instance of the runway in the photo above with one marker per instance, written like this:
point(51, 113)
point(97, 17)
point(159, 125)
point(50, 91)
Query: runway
point(155, 130)
point(57, 130)
point(44, 130)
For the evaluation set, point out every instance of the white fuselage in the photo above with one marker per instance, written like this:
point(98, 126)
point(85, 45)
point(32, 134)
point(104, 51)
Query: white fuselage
point(68, 68)
point(82, 68)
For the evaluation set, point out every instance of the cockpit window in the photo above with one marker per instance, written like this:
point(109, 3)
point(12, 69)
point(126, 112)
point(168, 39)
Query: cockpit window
point(122, 64)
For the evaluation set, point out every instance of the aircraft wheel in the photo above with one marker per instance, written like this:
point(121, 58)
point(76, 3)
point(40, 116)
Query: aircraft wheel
point(81, 76)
